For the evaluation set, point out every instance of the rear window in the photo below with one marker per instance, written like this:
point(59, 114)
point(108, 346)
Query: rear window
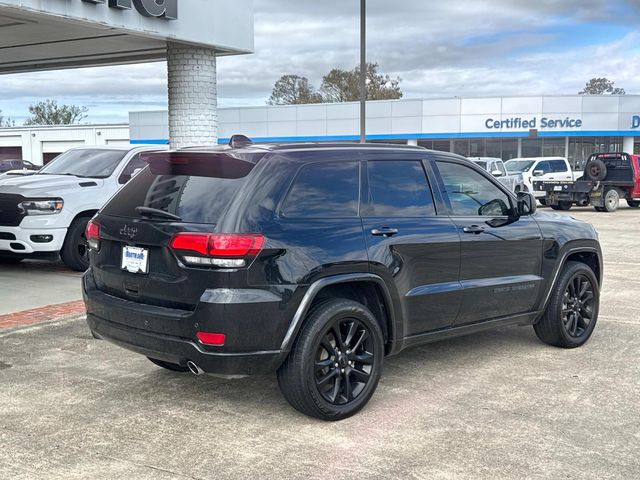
point(198, 190)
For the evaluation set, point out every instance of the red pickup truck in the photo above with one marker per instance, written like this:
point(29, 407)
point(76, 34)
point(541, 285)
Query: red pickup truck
point(607, 178)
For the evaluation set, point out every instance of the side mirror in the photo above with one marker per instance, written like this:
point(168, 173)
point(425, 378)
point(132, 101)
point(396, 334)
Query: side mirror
point(526, 204)
point(496, 173)
point(538, 173)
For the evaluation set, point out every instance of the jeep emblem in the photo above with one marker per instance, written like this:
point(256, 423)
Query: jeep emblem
point(128, 232)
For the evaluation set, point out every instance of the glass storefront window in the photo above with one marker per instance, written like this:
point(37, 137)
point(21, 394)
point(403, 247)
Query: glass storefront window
point(531, 147)
point(493, 148)
point(509, 149)
point(476, 148)
point(461, 147)
point(553, 147)
point(580, 148)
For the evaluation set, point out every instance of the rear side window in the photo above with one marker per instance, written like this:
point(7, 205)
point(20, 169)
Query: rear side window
point(198, 190)
point(398, 189)
point(324, 190)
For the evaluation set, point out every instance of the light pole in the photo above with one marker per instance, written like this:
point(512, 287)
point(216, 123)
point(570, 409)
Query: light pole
point(363, 71)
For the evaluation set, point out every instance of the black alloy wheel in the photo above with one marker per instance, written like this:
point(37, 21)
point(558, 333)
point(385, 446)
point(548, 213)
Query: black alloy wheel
point(75, 251)
point(572, 310)
point(344, 361)
point(335, 363)
point(578, 306)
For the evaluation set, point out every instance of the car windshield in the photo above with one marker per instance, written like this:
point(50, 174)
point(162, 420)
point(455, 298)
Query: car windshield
point(481, 163)
point(89, 163)
point(519, 165)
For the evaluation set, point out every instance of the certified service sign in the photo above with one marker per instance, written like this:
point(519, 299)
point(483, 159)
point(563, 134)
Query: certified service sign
point(149, 8)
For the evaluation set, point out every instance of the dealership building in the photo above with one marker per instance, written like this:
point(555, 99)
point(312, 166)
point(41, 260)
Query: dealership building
point(571, 126)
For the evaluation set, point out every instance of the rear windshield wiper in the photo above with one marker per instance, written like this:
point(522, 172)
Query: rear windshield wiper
point(154, 212)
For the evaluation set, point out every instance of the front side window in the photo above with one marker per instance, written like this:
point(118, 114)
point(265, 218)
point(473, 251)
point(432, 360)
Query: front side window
point(558, 166)
point(501, 168)
point(399, 189)
point(544, 167)
point(324, 190)
point(470, 193)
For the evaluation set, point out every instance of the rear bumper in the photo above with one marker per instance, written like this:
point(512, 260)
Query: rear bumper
point(168, 334)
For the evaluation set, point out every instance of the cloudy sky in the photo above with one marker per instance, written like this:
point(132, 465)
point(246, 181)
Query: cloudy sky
point(438, 49)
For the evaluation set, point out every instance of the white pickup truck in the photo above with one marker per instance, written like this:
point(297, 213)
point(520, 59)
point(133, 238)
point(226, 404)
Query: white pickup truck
point(496, 167)
point(45, 215)
point(542, 169)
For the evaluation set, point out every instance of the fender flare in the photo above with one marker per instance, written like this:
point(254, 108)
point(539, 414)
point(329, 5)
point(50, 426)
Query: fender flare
point(318, 285)
point(560, 267)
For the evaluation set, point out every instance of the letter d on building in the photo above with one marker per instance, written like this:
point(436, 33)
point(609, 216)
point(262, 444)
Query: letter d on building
point(635, 123)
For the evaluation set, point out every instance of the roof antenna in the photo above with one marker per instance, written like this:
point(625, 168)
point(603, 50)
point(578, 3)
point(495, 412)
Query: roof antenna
point(238, 141)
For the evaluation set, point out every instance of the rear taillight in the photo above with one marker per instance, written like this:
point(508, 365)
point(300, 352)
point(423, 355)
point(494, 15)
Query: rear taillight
point(222, 250)
point(93, 235)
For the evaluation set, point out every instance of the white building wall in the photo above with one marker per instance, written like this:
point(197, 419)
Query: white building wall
point(35, 141)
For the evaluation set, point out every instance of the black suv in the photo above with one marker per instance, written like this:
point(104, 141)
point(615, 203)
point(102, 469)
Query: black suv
point(317, 261)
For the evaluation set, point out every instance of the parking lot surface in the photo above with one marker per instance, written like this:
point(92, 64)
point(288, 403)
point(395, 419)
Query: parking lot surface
point(495, 405)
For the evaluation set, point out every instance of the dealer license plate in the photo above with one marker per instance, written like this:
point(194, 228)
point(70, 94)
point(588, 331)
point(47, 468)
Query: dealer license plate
point(557, 188)
point(135, 260)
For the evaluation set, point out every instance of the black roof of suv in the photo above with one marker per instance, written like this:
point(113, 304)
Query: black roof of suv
point(318, 260)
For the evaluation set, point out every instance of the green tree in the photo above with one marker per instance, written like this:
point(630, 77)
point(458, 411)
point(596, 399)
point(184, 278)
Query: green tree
point(48, 112)
point(293, 90)
point(601, 86)
point(6, 122)
point(344, 85)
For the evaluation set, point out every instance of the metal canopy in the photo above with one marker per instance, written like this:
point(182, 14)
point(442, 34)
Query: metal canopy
point(53, 34)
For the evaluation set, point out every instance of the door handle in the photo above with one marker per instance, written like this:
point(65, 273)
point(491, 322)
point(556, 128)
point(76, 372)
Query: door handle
point(384, 232)
point(476, 229)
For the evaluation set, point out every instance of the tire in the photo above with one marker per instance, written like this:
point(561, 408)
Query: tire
point(543, 201)
point(599, 209)
point(75, 251)
point(564, 206)
point(312, 378)
point(567, 322)
point(611, 200)
point(174, 367)
point(10, 260)
point(633, 203)
point(596, 170)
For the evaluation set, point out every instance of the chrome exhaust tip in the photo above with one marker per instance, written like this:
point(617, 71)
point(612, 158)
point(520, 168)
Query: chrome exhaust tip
point(193, 368)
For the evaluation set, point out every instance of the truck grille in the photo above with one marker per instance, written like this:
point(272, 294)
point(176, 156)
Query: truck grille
point(10, 214)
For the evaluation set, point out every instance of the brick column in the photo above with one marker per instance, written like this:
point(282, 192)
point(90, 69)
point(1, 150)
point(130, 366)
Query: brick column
point(193, 100)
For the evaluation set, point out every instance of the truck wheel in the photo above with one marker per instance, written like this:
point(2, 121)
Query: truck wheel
point(572, 312)
point(596, 170)
point(633, 203)
point(611, 200)
point(75, 251)
point(564, 206)
point(335, 363)
point(174, 367)
point(599, 209)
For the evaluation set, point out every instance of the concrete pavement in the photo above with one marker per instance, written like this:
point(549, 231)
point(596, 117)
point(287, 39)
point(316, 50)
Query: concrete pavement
point(498, 405)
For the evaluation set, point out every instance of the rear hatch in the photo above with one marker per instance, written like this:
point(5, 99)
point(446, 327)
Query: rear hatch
point(178, 192)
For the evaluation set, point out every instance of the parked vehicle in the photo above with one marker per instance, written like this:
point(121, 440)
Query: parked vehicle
point(317, 261)
point(495, 166)
point(607, 178)
point(6, 165)
point(45, 215)
point(542, 169)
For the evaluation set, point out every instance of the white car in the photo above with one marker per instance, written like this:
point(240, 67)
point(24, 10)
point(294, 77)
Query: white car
point(46, 214)
point(495, 166)
point(541, 169)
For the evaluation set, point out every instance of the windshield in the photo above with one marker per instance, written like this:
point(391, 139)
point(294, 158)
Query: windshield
point(91, 163)
point(519, 165)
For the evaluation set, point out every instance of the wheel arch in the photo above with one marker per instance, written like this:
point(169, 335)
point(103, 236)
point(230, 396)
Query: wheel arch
point(590, 256)
point(365, 288)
